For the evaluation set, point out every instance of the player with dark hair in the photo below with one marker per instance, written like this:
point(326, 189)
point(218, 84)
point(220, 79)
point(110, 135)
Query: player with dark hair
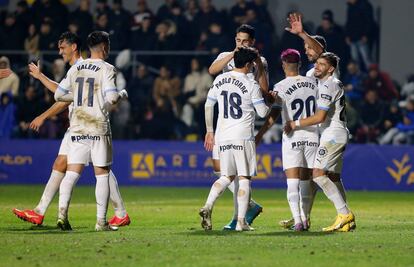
point(331, 116)
point(245, 37)
point(238, 96)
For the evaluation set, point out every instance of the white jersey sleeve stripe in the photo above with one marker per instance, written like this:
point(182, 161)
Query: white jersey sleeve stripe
point(323, 108)
point(66, 91)
point(260, 101)
point(212, 99)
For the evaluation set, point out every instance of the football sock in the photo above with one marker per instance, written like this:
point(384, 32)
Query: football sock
point(51, 188)
point(102, 196)
point(333, 194)
point(235, 203)
point(243, 197)
point(65, 192)
point(231, 186)
point(305, 195)
point(115, 196)
point(293, 198)
point(216, 190)
point(341, 188)
point(314, 189)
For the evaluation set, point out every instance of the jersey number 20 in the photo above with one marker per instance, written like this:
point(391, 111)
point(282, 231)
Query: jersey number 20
point(235, 102)
point(90, 82)
point(298, 104)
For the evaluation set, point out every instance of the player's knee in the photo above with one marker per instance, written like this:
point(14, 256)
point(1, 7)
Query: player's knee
point(60, 163)
point(241, 193)
point(317, 173)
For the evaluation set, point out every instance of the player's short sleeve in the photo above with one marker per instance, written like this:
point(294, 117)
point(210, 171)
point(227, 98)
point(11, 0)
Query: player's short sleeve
point(109, 80)
point(212, 95)
point(221, 56)
point(326, 96)
point(280, 96)
point(265, 67)
point(65, 85)
point(257, 97)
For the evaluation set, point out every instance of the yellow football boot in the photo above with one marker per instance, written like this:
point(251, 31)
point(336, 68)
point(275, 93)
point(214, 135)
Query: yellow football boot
point(341, 220)
point(347, 227)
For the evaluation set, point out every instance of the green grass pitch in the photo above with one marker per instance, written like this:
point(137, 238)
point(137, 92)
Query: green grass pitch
point(166, 231)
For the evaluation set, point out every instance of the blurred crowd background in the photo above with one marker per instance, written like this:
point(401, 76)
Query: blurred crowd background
point(163, 56)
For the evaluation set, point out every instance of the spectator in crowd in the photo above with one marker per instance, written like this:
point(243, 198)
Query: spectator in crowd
point(28, 108)
point(140, 92)
point(353, 83)
point(262, 13)
point(196, 84)
point(9, 84)
point(101, 7)
point(335, 37)
point(403, 132)
point(408, 88)
point(206, 15)
point(58, 70)
point(238, 12)
point(166, 40)
point(47, 40)
point(359, 24)
point(31, 43)
point(7, 115)
point(24, 17)
point(143, 12)
point(119, 25)
point(381, 82)
point(191, 11)
point(52, 10)
point(143, 37)
point(165, 11)
point(167, 89)
point(83, 18)
point(371, 114)
point(102, 23)
point(11, 33)
point(392, 116)
point(216, 41)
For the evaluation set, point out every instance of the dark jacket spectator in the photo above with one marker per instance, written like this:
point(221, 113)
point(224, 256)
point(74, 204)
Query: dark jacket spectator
point(53, 11)
point(119, 25)
point(206, 16)
point(238, 12)
point(371, 114)
point(353, 83)
point(381, 82)
point(10, 32)
point(83, 18)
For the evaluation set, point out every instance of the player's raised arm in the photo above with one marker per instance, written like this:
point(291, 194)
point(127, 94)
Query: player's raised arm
point(54, 110)
point(35, 72)
point(296, 27)
point(218, 65)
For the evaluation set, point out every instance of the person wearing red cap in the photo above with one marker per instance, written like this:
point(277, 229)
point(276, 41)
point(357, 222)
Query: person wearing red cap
point(297, 100)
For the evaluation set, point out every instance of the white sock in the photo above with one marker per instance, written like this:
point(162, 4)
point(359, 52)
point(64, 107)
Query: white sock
point(115, 196)
point(216, 190)
point(51, 188)
point(235, 202)
point(232, 186)
point(243, 197)
point(332, 192)
point(305, 193)
point(341, 188)
point(102, 196)
point(65, 192)
point(293, 198)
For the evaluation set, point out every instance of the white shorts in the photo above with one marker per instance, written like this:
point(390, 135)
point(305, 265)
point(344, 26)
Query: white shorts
point(94, 148)
point(215, 155)
point(237, 158)
point(329, 156)
point(299, 152)
point(64, 146)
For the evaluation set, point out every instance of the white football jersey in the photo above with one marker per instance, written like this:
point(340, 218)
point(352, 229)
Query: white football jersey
point(238, 96)
point(254, 71)
point(90, 80)
point(298, 96)
point(331, 98)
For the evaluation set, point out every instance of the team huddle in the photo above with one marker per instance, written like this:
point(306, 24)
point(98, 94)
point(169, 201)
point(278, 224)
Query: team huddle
point(313, 143)
point(314, 138)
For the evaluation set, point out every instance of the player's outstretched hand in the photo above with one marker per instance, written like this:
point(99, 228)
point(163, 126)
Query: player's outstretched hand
point(209, 141)
point(36, 124)
point(34, 70)
point(295, 21)
point(123, 94)
point(289, 127)
point(4, 73)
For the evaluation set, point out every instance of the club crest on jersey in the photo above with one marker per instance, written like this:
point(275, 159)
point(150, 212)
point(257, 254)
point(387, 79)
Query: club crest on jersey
point(323, 151)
